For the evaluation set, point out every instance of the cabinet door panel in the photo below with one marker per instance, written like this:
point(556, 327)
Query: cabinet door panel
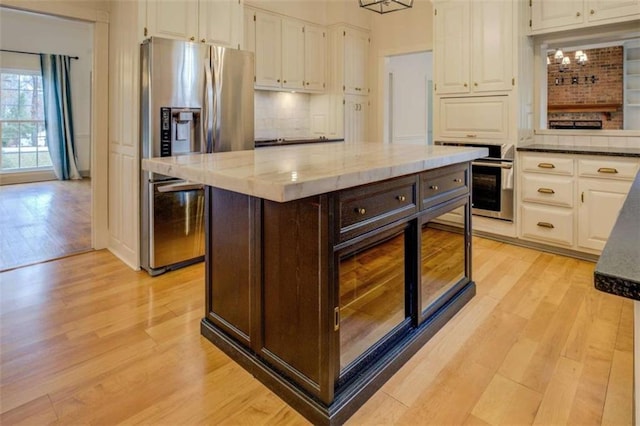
point(475, 118)
point(292, 54)
point(492, 65)
point(268, 50)
point(600, 205)
point(177, 19)
point(452, 47)
point(554, 13)
point(355, 118)
point(219, 22)
point(315, 52)
point(356, 48)
point(598, 10)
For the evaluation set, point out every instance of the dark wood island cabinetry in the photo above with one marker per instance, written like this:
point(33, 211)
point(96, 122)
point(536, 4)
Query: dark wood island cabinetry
point(324, 297)
point(326, 265)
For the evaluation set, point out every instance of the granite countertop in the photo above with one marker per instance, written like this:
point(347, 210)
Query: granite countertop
point(585, 150)
point(618, 270)
point(292, 172)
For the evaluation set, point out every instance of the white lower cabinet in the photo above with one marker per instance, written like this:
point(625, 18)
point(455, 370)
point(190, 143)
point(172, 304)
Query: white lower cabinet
point(572, 202)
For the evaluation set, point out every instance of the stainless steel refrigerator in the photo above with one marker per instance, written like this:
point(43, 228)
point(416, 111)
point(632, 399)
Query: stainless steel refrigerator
point(195, 98)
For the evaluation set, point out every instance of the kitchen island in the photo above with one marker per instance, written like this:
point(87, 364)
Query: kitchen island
point(326, 264)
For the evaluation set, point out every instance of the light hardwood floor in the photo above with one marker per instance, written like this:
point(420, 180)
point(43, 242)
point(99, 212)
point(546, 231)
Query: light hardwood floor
point(44, 220)
point(90, 341)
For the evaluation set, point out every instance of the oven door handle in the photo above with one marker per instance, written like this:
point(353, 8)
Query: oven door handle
point(496, 165)
point(177, 187)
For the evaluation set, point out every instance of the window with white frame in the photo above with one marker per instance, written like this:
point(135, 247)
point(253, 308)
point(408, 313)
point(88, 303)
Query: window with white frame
point(22, 129)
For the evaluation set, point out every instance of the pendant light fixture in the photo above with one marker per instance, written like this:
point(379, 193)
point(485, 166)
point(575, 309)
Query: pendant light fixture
point(386, 6)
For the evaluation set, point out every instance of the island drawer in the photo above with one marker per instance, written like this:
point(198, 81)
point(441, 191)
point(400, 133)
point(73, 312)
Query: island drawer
point(440, 185)
point(368, 207)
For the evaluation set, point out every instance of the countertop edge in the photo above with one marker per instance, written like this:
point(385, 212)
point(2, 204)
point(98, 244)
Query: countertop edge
point(618, 269)
point(273, 190)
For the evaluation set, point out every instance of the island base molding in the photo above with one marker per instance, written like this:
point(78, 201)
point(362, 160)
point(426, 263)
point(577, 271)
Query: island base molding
point(352, 396)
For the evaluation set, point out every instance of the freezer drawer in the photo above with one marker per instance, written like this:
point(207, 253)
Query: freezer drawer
point(177, 220)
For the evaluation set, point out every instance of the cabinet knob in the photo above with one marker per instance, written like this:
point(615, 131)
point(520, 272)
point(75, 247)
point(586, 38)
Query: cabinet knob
point(361, 211)
point(192, 38)
point(457, 180)
point(203, 40)
point(401, 198)
point(545, 225)
point(284, 81)
point(577, 13)
point(306, 83)
point(466, 85)
point(434, 187)
point(592, 12)
point(546, 191)
point(610, 170)
point(475, 84)
point(546, 165)
point(278, 80)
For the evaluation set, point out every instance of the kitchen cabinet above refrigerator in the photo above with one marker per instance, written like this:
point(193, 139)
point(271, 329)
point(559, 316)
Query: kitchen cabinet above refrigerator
point(215, 22)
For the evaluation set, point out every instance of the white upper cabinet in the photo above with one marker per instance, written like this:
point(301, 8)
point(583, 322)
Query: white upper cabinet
point(220, 22)
point(292, 54)
point(473, 46)
point(207, 21)
point(315, 54)
point(356, 56)
point(268, 50)
point(175, 19)
point(554, 15)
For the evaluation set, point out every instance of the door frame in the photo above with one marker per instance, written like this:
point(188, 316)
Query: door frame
point(99, 104)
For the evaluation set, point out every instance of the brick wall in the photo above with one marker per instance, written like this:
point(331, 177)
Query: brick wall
point(606, 65)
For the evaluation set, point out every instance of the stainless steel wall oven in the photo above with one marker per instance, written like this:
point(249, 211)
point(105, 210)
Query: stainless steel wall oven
point(492, 181)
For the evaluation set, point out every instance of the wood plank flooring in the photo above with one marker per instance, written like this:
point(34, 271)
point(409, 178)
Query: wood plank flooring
point(44, 220)
point(87, 340)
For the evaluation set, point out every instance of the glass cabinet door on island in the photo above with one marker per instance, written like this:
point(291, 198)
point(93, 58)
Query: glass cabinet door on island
point(372, 302)
point(443, 265)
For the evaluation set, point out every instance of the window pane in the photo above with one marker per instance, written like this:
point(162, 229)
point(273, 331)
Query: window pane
point(10, 81)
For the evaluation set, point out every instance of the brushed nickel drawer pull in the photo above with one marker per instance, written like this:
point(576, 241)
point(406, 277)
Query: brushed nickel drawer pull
point(457, 180)
point(361, 211)
point(401, 198)
point(607, 170)
point(434, 187)
point(546, 225)
point(546, 165)
point(546, 191)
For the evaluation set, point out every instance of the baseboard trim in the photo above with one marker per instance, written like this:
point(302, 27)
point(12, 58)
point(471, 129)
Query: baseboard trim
point(589, 257)
point(27, 177)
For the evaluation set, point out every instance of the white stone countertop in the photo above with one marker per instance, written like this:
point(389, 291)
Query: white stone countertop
point(292, 172)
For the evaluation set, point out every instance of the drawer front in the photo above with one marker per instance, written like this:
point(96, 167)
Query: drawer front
point(547, 224)
point(369, 207)
point(552, 190)
point(440, 185)
point(608, 168)
point(547, 164)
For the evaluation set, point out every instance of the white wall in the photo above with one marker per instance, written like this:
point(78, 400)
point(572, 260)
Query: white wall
point(405, 31)
point(45, 34)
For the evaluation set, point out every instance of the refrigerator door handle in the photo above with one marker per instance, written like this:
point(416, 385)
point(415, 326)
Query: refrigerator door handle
point(217, 62)
point(207, 122)
point(182, 186)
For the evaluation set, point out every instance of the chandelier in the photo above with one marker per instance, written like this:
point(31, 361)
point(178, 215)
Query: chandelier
point(386, 6)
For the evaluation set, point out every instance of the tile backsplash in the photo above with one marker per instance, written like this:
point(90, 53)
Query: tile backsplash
point(281, 115)
point(589, 140)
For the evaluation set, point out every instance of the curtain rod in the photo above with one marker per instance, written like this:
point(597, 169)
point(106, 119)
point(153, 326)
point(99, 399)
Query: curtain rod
point(29, 53)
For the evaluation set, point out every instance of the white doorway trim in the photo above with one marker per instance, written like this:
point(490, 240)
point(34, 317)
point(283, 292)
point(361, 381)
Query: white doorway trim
point(99, 104)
